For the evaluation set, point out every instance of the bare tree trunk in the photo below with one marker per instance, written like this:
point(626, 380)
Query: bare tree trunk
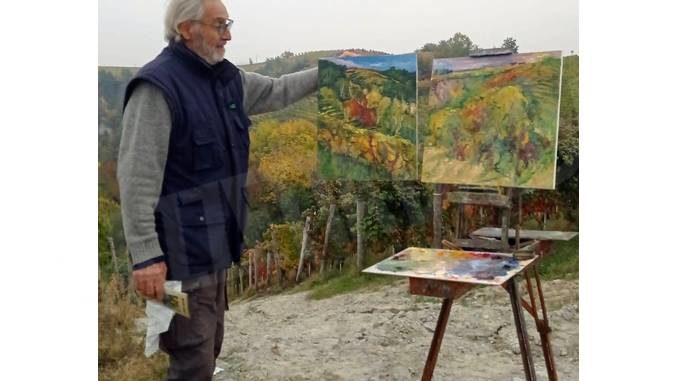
point(328, 227)
point(437, 216)
point(304, 244)
point(114, 257)
point(360, 211)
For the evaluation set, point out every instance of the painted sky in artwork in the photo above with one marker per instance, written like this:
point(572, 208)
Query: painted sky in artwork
point(444, 66)
point(493, 121)
point(367, 126)
point(452, 265)
point(380, 63)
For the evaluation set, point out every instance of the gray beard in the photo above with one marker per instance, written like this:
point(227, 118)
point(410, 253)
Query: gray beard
point(206, 52)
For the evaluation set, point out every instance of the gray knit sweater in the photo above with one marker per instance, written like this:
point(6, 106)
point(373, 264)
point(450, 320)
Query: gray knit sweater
point(146, 126)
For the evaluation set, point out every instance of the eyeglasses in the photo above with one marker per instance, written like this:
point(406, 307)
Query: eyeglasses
point(221, 26)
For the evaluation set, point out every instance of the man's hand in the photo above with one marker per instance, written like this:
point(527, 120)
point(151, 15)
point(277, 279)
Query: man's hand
point(150, 280)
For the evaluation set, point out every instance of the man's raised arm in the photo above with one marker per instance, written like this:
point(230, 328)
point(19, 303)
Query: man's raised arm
point(266, 94)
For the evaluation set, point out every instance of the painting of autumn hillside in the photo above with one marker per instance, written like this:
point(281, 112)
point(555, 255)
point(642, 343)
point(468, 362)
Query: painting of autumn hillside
point(367, 123)
point(493, 121)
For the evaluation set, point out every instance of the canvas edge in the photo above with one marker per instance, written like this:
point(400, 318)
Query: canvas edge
point(560, 95)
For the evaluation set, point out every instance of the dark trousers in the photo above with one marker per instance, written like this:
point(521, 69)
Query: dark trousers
point(194, 344)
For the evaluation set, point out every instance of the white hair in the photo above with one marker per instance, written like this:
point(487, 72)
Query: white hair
point(179, 11)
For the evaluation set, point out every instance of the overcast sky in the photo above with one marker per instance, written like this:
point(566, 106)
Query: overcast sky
point(130, 31)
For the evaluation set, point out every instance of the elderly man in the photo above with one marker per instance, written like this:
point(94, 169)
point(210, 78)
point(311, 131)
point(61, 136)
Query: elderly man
point(182, 168)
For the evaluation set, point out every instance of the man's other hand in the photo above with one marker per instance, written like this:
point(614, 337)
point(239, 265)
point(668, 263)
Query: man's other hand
point(150, 280)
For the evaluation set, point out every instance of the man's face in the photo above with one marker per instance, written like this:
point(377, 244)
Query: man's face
point(205, 38)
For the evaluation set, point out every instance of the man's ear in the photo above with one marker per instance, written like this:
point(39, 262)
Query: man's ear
point(185, 30)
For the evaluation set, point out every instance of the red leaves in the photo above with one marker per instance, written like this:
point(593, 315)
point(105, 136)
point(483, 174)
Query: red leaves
point(358, 110)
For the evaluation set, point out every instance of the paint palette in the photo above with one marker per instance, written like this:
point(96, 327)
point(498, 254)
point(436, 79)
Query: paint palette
point(452, 265)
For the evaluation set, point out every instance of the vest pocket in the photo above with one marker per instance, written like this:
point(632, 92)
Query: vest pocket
point(242, 123)
point(203, 231)
point(205, 150)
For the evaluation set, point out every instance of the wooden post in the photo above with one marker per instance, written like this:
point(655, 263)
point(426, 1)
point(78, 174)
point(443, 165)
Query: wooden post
point(130, 269)
point(361, 205)
point(249, 269)
point(114, 257)
point(505, 222)
point(328, 227)
point(268, 267)
point(240, 276)
point(457, 227)
point(278, 267)
point(231, 277)
point(520, 217)
point(255, 274)
point(437, 216)
point(304, 243)
point(276, 257)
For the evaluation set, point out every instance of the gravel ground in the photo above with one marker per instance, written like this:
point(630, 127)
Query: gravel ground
point(385, 334)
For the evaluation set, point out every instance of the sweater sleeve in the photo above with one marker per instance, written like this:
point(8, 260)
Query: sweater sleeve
point(266, 94)
point(146, 127)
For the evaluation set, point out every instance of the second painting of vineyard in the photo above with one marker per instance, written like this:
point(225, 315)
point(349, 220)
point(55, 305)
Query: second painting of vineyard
point(493, 121)
point(367, 124)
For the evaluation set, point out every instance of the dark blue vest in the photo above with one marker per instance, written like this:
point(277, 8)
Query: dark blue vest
point(202, 210)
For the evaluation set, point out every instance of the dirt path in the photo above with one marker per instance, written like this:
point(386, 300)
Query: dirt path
point(385, 334)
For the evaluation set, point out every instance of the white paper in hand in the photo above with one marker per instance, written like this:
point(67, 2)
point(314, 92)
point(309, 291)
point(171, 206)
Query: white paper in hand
point(158, 319)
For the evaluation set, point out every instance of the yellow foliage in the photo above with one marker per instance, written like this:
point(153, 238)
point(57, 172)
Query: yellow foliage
point(286, 239)
point(392, 152)
point(284, 153)
point(437, 125)
point(373, 98)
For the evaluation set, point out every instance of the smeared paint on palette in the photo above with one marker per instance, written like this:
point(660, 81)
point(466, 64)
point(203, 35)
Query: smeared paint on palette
point(453, 265)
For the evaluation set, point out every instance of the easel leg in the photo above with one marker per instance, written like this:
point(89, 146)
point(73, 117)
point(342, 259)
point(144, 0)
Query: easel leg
point(523, 340)
point(437, 340)
point(545, 333)
point(541, 323)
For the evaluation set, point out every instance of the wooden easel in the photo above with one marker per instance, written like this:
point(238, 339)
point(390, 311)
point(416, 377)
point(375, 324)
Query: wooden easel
point(450, 290)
